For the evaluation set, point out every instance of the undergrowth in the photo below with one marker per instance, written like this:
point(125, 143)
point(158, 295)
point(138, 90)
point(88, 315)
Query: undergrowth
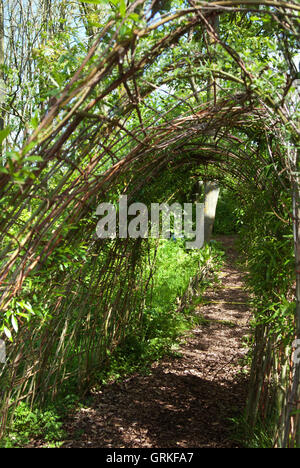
point(163, 321)
point(163, 324)
point(29, 424)
point(259, 436)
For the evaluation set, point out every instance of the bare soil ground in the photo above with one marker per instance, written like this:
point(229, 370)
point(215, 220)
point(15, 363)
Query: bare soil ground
point(186, 402)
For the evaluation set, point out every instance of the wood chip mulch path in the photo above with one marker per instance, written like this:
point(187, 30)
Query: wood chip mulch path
point(188, 401)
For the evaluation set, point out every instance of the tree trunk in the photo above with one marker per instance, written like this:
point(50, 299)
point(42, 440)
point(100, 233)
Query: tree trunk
point(211, 190)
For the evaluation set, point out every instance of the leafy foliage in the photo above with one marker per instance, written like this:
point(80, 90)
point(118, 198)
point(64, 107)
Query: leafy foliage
point(33, 424)
point(143, 98)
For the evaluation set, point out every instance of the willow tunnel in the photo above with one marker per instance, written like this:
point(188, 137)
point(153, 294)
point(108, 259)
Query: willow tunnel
point(159, 102)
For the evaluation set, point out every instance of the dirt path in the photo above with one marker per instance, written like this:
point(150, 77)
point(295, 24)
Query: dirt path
point(185, 402)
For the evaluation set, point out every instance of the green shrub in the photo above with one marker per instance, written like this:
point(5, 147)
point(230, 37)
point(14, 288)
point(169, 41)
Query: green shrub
point(33, 424)
point(227, 213)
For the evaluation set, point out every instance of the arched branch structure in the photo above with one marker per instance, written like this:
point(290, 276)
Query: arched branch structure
point(136, 112)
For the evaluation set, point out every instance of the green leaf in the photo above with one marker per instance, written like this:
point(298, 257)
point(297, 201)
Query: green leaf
point(4, 134)
point(34, 122)
point(122, 8)
point(14, 323)
point(34, 158)
point(7, 333)
point(29, 147)
point(134, 17)
point(20, 314)
point(26, 306)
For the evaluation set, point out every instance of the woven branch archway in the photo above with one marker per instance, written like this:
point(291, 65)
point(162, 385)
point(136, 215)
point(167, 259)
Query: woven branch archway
point(146, 100)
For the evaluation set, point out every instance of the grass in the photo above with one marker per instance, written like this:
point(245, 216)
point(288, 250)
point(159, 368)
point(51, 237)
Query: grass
point(260, 436)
